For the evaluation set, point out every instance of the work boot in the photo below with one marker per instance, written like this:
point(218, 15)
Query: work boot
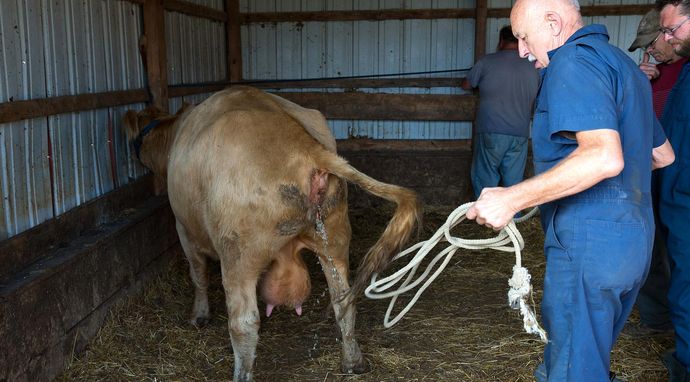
point(640, 330)
point(676, 370)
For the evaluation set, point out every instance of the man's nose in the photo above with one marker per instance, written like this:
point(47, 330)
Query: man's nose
point(522, 49)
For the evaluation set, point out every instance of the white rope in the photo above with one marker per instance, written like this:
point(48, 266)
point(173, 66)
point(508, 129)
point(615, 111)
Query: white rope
point(508, 239)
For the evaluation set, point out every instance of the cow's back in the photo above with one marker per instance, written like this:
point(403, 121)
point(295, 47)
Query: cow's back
point(238, 165)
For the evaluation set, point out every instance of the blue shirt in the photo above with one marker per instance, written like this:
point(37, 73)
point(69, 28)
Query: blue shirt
point(590, 84)
point(674, 180)
point(507, 86)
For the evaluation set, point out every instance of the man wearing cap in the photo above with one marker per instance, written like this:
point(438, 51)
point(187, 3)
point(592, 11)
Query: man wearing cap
point(652, 302)
point(674, 186)
point(664, 73)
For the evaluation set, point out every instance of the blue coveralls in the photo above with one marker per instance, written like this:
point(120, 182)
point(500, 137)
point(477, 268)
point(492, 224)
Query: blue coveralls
point(598, 242)
point(674, 210)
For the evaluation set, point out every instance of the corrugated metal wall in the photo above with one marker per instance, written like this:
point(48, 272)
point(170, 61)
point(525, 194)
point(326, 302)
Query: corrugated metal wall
point(355, 48)
point(196, 51)
point(57, 48)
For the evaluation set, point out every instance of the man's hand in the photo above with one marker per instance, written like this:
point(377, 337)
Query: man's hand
point(493, 208)
point(649, 69)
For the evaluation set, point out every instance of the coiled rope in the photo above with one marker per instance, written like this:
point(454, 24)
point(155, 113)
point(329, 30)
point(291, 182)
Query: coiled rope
point(508, 239)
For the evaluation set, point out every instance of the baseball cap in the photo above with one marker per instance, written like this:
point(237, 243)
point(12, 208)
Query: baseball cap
point(647, 30)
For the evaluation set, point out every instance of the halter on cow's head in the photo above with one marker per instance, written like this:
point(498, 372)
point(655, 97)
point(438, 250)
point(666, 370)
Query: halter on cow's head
point(151, 132)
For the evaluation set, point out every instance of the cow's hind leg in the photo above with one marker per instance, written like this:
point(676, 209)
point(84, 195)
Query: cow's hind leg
point(334, 261)
point(239, 282)
point(198, 272)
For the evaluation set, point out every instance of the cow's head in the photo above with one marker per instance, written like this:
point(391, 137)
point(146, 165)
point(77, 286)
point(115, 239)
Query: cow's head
point(151, 132)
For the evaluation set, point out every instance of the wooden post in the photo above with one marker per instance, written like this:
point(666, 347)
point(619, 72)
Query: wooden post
point(234, 40)
point(156, 61)
point(480, 29)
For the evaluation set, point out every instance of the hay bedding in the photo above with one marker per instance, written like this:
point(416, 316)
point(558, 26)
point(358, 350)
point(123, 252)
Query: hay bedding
point(460, 330)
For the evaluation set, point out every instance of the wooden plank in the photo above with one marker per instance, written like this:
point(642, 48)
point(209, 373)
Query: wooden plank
point(36, 108)
point(426, 171)
point(18, 252)
point(480, 29)
point(156, 62)
point(392, 107)
point(616, 10)
point(406, 14)
point(185, 90)
point(591, 10)
point(234, 40)
point(353, 83)
point(371, 15)
point(195, 10)
point(20, 110)
point(62, 300)
point(359, 83)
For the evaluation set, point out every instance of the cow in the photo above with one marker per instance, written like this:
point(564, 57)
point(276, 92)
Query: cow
point(253, 179)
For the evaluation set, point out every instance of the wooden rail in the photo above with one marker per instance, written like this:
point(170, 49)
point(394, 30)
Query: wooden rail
point(192, 9)
point(20, 110)
point(360, 83)
point(390, 107)
point(422, 14)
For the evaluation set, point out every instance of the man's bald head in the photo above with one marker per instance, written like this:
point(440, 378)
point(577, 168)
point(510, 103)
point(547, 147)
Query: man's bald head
point(544, 25)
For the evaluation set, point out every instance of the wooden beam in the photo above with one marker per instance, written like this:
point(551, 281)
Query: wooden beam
point(353, 83)
point(36, 108)
point(616, 10)
point(407, 14)
point(373, 15)
point(192, 9)
point(234, 40)
point(185, 90)
point(76, 286)
point(156, 62)
point(480, 29)
point(392, 107)
point(360, 83)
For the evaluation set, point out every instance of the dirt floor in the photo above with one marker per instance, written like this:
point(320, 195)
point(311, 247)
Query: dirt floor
point(461, 329)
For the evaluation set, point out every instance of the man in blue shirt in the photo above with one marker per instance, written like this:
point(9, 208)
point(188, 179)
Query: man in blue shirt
point(507, 87)
point(674, 186)
point(595, 141)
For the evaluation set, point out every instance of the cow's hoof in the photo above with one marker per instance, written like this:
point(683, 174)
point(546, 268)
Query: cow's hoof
point(200, 322)
point(359, 367)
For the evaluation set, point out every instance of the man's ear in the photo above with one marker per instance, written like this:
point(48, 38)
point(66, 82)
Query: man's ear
point(555, 22)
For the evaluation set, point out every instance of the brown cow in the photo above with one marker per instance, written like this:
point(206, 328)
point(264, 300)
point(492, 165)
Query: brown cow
point(253, 179)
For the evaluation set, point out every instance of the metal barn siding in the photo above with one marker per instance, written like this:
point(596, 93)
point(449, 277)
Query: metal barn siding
point(57, 48)
point(195, 50)
point(24, 180)
point(353, 48)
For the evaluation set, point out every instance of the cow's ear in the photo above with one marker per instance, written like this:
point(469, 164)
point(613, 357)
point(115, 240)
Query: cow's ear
point(130, 122)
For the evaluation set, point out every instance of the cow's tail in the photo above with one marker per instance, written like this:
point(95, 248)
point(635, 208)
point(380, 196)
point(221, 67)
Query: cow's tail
point(407, 216)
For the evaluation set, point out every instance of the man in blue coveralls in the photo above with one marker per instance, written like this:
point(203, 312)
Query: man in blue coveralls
point(674, 187)
point(595, 141)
